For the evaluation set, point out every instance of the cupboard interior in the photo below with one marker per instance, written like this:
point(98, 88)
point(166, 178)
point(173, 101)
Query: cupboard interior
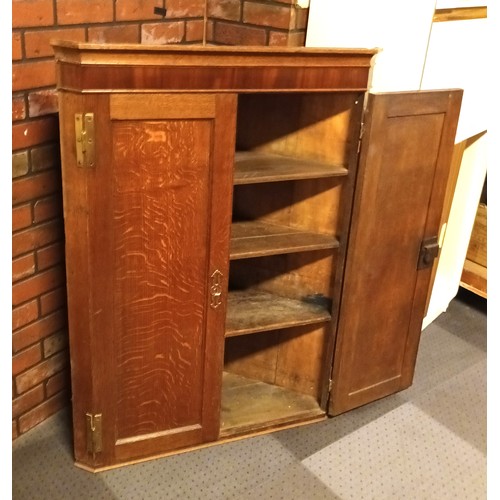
point(291, 166)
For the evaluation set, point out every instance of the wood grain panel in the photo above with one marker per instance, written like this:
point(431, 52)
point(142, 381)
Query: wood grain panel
point(251, 311)
point(253, 356)
point(398, 203)
point(302, 359)
point(243, 79)
point(301, 276)
point(251, 404)
point(293, 358)
point(310, 205)
point(255, 167)
point(257, 239)
point(161, 106)
point(161, 197)
point(305, 126)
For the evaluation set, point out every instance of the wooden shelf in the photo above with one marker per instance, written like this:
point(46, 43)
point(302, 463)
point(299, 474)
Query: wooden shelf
point(252, 311)
point(257, 239)
point(253, 167)
point(252, 405)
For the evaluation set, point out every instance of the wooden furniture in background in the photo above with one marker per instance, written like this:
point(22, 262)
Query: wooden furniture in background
point(474, 275)
point(229, 269)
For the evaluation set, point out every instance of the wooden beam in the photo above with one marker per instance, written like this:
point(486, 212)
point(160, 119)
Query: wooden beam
point(459, 14)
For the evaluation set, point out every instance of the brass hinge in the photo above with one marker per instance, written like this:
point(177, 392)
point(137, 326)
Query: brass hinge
point(85, 139)
point(330, 385)
point(94, 433)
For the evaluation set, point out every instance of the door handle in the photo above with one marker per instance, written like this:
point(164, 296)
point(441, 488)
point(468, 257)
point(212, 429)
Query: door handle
point(429, 250)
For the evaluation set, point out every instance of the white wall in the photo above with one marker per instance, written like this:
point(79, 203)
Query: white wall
point(419, 54)
point(456, 57)
point(399, 28)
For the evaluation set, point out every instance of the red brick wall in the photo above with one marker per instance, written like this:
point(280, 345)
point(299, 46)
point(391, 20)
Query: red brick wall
point(40, 360)
point(248, 22)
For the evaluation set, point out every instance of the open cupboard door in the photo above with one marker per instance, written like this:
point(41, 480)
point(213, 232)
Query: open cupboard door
point(403, 171)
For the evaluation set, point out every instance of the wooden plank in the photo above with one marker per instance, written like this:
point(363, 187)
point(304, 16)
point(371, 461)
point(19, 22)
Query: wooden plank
point(251, 311)
point(460, 14)
point(161, 106)
point(256, 239)
point(254, 167)
point(474, 278)
point(210, 56)
point(477, 251)
point(250, 404)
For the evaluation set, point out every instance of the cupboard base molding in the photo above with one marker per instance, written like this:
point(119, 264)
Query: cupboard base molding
point(223, 440)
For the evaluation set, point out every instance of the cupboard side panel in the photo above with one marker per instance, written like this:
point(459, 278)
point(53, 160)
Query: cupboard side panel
point(79, 280)
point(398, 195)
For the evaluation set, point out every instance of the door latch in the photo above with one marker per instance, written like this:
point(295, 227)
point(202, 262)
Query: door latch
point(429, 250)
point(216, 289)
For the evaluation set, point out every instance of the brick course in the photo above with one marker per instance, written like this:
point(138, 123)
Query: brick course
point(114, 34)
point(33, 74)
point(23, 267)
point(24, 314)
point(21, 217)
point(84, 11)
point(37, 43)
point(32, 133)
point(18, 109)
point(51, 301)
point(40, 362)
point(38, 330)
point(27, 13)
point(163, 33)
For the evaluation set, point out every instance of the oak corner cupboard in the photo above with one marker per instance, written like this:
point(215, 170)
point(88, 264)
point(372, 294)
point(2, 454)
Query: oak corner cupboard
point(249, 239)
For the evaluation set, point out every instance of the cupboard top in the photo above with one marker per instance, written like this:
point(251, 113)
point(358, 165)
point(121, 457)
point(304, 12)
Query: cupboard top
point(108, 67)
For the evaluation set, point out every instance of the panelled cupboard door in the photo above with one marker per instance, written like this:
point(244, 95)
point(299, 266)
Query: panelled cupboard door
point(403, 169)
point(148, 325)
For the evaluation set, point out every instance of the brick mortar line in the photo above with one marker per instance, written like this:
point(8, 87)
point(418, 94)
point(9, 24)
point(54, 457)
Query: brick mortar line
point(40, 341)
point(65, 347)
point(54, 12)
point(250, 25)
point(44, 143)
point(53, 27)
point(45, 398)
point(43, 402)
point(272, 3)
point(43, 358)
point(32, 60)
point(24, 254)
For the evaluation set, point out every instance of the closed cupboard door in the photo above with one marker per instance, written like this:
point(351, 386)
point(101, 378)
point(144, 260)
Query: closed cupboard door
point(157, 212)
point(404, 164)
